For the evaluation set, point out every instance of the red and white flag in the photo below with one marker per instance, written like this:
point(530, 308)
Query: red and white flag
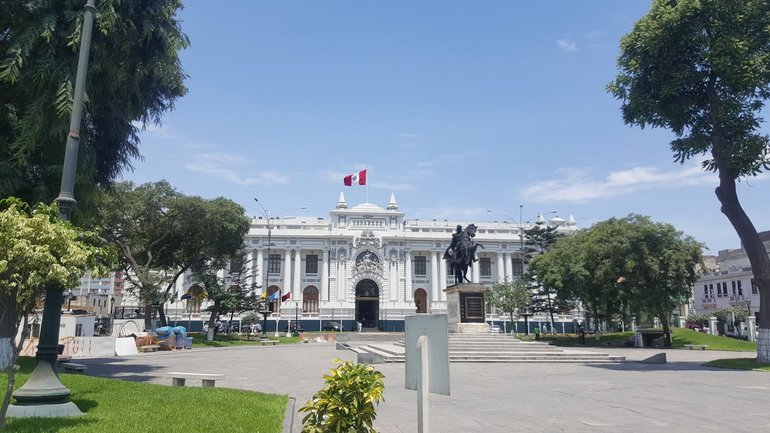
point(355, 178)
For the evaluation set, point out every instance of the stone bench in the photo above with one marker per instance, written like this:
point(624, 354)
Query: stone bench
point(696, 346)
point(265, 342)
point(150, 348)
point(208, 380)
point(71, 367)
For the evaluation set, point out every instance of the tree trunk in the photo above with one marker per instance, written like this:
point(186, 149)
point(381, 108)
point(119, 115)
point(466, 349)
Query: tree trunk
point(755, 250)
point(666, 328)
point(162, 315)
point(147, 317)
point(212, 321)
point(757, 254)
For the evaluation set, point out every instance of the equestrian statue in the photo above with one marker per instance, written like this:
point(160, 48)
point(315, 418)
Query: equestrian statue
point(461, 253)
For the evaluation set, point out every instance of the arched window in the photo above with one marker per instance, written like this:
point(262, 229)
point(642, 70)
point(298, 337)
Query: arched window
point(310, 299)
point(421, 301)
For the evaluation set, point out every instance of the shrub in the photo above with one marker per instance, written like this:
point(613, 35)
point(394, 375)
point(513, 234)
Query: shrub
point(346, 404)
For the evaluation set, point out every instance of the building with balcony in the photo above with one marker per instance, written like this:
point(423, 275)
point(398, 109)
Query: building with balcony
point(367, 263)
point(730, 283)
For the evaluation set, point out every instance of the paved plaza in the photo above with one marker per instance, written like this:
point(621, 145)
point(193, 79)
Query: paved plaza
point(680, 396)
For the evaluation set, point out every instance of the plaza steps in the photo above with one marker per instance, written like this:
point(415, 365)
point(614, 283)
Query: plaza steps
point(488, 348)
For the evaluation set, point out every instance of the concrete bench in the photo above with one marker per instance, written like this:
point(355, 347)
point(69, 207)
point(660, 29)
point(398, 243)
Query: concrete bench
point(71, 367)
point(208, 380)
point(696, 346)
point(265, 342)
point(150, 348)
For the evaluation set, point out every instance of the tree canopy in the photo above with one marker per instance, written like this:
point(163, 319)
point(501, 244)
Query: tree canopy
point(134, 77)
point(622, 266)
point(37, 250)
point(160, 234)
point(510, 297)
point(701, 68)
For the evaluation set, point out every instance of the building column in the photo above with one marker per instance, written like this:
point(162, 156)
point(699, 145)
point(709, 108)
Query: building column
point(325, 277)
point(442, 279)
point(260, 271)
point(393, 281)
point(434, 276)
point(408, 276)
point(250, 266)
point(297, 275)
point(475, 278)
point(286, 273)
point(500, 268)
point(508, 269)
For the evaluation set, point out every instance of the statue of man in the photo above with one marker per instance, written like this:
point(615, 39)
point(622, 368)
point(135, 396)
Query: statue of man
point(456, 236)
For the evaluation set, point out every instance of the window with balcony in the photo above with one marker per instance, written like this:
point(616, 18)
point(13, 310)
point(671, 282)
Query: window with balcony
point(420, 266)
point(311, 264)
point(274, 264)
point(485, 267)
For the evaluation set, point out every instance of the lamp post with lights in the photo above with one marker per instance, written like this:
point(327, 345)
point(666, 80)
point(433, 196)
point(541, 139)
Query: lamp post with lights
point(266, 213)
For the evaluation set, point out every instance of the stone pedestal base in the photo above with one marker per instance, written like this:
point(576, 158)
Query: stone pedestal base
point(469, 328)
point(54, 410)
point(459, 319)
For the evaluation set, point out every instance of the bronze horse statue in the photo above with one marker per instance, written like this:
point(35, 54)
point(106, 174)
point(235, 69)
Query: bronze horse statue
point(461, 253)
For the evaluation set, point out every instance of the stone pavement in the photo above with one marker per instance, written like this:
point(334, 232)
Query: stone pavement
point(680, 396)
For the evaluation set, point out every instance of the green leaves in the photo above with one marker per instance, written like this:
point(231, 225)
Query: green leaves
point(346, 403)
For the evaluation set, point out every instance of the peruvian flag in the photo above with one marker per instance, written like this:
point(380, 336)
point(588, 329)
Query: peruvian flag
point(356, 178)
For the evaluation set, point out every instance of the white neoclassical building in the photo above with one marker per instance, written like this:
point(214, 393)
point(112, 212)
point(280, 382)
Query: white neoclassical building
point(370, 264)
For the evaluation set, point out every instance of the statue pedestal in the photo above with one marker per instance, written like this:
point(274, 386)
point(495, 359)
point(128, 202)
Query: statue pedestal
point(466, 308)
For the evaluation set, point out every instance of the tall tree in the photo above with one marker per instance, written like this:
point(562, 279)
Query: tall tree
point(134, 77)
point(36, 250)
point(539, 239)
point(510, 297)
point(701, 68)
point(160, 234)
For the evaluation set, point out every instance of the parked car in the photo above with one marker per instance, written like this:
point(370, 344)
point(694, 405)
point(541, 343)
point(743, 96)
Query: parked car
point(332, 326)
point(495, 329)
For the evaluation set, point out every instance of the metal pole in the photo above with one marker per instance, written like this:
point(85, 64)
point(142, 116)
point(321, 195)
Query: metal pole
point(44, 387)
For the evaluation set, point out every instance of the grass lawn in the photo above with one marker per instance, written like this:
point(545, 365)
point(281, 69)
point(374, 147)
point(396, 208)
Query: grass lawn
point(740, 363)
point(222, 340)
point(680, 337)
point(118, 406)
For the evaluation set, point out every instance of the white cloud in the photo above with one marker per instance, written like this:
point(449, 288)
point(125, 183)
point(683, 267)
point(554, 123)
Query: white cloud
point(407, 135)
point(576, 185)
point(566, 45)
point(229, 167)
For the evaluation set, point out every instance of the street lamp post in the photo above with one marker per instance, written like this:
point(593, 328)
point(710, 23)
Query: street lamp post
point(44, 395)
point(265, 286)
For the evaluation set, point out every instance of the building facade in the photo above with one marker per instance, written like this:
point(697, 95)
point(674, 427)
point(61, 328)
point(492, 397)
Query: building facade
point(731, 284)
point(369, 264)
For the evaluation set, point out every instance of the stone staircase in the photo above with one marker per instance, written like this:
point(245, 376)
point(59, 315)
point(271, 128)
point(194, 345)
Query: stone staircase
point(486, 348)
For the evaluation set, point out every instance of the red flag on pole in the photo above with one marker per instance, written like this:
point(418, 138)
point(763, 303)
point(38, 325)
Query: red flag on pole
point(355, 178)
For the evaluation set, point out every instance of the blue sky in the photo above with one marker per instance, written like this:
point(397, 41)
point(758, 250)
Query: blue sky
point(454, 106)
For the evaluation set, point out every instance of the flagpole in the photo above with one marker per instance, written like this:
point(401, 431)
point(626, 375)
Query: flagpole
point(367, 183)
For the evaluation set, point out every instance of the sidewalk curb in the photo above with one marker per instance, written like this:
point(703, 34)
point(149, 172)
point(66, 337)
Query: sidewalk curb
point(288, 415)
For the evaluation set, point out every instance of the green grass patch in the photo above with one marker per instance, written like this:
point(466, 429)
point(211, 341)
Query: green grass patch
point(118, 406)
point(223, 340)
point(679, 336)
point(740, 364)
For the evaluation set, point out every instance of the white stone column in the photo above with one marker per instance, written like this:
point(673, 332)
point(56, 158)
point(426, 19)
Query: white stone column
point(500, 268)
point(325, 276)
point(408, 275)
point(393, 281)
point(297, 295)
point(260, 271)
point(286, 273)
point(342, 279)
point(508, 267)
point(442, 279)
point(476, 278)
point(434, 276)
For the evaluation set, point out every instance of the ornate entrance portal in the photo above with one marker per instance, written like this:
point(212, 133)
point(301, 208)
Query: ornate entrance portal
point(367, 303)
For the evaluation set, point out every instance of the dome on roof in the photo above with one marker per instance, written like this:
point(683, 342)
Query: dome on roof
point(556, 221)
point(367, 207)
